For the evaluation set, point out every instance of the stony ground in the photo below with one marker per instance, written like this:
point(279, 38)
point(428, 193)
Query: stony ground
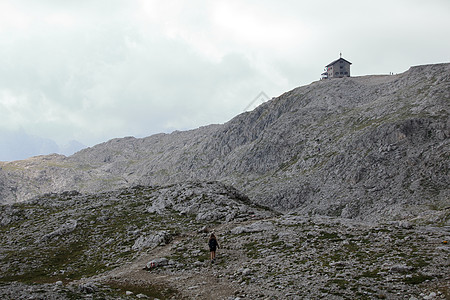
point(292, 257)
point(71, 246)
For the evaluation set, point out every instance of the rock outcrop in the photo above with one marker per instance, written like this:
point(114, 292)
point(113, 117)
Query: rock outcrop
point(112, 245)
point(361, 147)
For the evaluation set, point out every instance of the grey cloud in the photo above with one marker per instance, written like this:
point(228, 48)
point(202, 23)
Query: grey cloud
point(121, 90)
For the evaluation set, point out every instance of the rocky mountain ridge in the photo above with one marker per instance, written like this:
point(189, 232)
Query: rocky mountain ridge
point(371, 147)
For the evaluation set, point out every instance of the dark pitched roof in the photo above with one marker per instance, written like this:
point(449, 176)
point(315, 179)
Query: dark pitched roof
point(330, 64)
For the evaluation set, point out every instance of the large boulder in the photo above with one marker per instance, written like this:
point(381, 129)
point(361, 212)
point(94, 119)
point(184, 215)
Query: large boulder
point(153, 240)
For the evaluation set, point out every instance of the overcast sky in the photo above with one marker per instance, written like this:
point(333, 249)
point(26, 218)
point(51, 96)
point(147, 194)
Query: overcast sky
point(92, 70)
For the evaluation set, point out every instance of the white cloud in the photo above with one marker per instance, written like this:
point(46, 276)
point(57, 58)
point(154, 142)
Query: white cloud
point(61, 19)
point(256, 26)
point(12, 18)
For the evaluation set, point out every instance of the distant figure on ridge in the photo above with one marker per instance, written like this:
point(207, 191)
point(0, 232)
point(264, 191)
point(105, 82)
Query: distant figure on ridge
point(213, 245)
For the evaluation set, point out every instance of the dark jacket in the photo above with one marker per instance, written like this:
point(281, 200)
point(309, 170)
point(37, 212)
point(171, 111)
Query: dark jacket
point(213, 244)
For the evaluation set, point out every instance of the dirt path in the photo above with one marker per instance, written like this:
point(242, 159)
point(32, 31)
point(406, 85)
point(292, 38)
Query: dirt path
point(202, 282)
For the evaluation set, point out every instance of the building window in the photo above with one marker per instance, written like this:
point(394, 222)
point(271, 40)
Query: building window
point(346, 73)
point(342, 67)
point(337, 73)
point(342, 72)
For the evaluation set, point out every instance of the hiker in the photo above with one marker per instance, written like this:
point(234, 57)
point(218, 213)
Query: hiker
point(213, 244)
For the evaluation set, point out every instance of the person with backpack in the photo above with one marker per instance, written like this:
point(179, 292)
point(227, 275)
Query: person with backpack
point(213, 245)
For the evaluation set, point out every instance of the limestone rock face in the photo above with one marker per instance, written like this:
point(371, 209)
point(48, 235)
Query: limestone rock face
point(361, 147)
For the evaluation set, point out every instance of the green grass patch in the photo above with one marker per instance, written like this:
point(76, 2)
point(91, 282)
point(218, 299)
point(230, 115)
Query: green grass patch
point(371, 274)
point(417, 279)
point(333, 236)
point(341, 283)
point(44, 266)
point(252, 249)
point(351, 247)
point(418, 262)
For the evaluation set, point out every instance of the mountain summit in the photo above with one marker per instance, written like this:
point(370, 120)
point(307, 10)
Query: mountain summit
point(372, 147)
